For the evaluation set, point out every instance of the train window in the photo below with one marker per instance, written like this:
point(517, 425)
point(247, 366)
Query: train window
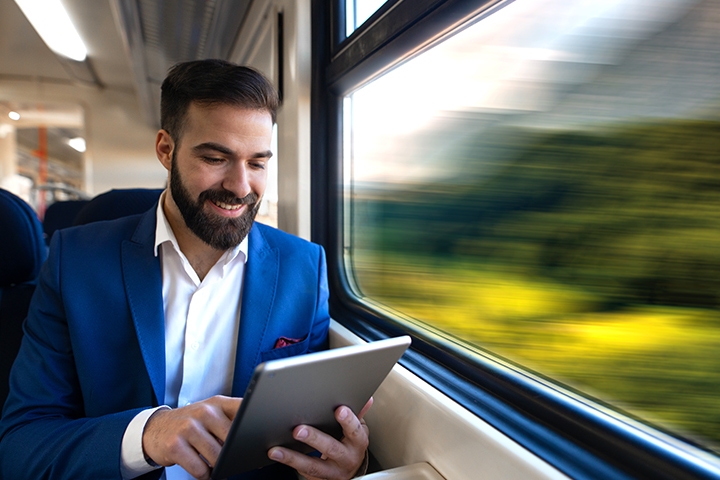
point(358, 11)
point(268, 211)
point(544, 184)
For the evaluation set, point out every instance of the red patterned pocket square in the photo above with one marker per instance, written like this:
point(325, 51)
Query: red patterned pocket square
point(285, 341)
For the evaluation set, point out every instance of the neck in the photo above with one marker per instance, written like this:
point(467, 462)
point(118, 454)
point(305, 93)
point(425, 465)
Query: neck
point(201, 259)
point(201, 256)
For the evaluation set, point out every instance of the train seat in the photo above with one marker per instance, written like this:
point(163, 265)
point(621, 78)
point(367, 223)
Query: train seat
point(61, 215)
point(118, 203)
point(22, 252)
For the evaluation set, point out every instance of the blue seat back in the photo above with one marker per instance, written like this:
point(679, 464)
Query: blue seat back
point(118, 203)
point(22, 247)
point(61, 215)
point(22, 252)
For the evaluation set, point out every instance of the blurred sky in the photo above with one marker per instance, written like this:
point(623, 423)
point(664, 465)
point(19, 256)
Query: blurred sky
point(538, 63)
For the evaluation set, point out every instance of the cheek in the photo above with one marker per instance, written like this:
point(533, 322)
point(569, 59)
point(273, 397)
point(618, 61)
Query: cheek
point(204, 179)
point(261, 175)
point(259, 183)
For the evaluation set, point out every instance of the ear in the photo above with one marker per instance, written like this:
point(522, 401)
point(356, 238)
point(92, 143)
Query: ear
point(164, 146)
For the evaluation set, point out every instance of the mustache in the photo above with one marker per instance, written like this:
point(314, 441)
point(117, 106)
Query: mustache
point(226, 196)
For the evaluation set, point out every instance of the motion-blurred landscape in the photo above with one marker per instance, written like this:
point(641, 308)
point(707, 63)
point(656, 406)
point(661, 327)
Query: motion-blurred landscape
point(581, 240)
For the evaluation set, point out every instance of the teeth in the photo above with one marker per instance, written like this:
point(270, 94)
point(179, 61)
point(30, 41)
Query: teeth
point(226, 206)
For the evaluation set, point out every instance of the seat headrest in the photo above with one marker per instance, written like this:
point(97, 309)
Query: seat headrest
point(118, 203)
point(22, 247)
point(61, 215)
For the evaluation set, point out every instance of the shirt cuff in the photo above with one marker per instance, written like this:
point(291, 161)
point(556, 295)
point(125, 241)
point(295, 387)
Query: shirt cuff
point(132, 458)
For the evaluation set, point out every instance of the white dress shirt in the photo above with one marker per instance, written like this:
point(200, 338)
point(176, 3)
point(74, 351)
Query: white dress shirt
point(201, 328)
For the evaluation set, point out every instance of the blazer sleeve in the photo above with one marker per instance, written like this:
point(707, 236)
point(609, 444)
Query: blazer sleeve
point(45, 432)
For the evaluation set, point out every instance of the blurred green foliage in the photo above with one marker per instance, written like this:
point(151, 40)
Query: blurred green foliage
point(633, 214)
point(588, 257)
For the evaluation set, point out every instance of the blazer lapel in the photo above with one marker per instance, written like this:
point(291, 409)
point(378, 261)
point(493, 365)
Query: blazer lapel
point(142, 275)
point(259, 285)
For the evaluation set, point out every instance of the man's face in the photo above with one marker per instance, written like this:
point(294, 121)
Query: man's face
point(218, 172)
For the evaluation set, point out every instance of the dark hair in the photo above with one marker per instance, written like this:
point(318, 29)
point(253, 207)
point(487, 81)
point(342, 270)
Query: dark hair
point(210, 82)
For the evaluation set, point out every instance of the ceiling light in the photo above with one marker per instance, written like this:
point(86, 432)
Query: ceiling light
point(14, 115)
point(52, 23)
point(78, 143)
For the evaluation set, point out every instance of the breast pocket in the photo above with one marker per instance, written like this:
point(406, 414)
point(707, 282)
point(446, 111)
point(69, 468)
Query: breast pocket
point(287, 351)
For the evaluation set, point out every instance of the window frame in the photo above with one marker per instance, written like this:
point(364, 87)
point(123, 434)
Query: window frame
point(573, 433)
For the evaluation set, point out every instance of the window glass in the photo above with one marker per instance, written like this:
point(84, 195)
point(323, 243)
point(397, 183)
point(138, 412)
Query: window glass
point(268, 211)
point(358, 11)
point(545, 185)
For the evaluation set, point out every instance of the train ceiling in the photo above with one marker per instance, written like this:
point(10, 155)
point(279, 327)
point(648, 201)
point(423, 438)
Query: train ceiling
point(131, 43)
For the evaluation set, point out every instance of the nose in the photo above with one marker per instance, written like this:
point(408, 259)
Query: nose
point(237, 179)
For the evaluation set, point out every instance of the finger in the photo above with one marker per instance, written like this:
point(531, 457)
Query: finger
point(340, 459)
point(208, 428)
point(206, 446)
point(197, 429)
point(229, 405)
point(307, 466)
point(218, 422)
point(194, 464)
point(354, 430)
point(366, 408)
point(327, 445)
point(346, 454)
point(179, 451)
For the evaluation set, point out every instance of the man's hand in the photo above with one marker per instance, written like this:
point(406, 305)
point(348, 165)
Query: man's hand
point(340, 460)
point(190, 436)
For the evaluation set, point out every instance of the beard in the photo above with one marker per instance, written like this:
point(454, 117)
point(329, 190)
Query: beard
point(218, 232)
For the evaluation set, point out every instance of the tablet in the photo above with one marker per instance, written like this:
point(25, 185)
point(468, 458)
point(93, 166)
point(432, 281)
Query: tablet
point(305, 389)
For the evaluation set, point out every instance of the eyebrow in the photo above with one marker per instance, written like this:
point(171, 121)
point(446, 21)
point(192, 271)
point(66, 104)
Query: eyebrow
point(226, 151)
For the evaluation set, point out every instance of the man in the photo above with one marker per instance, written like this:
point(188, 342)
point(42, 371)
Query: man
point(172, 310)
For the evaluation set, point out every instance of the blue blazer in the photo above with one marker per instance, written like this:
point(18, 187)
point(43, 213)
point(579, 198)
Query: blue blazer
point(93, 354)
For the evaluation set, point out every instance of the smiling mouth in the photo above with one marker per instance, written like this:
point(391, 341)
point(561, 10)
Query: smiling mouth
point(227, 206)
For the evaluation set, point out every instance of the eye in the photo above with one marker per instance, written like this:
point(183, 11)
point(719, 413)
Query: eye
point(258, 165)
point(213, 160)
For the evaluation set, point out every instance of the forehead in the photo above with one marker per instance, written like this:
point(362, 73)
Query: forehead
point(222, 121)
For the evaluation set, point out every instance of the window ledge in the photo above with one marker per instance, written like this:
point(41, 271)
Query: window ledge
point(416, 471)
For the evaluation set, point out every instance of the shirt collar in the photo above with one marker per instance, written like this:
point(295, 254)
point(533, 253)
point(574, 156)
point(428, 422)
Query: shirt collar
point(164, 233)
